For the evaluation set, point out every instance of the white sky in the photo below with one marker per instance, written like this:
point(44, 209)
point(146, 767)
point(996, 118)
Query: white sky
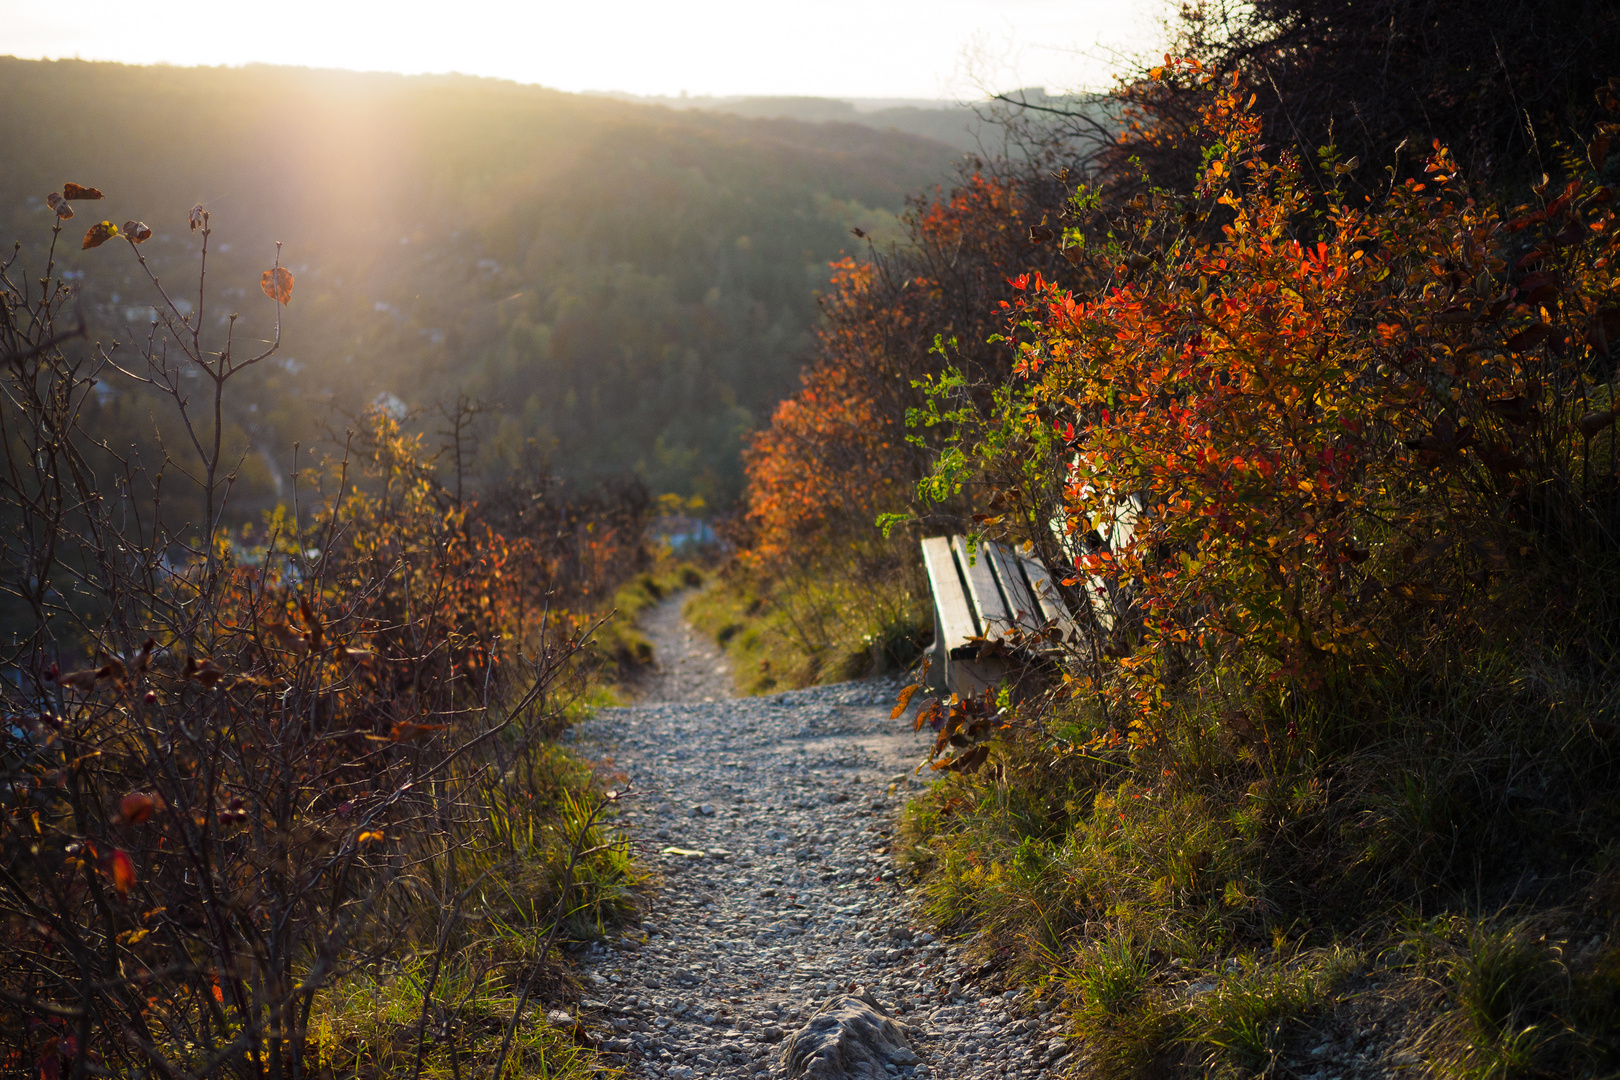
point(842, 48)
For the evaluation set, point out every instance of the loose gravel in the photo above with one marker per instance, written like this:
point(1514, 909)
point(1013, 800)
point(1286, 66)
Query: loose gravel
point(770, 821)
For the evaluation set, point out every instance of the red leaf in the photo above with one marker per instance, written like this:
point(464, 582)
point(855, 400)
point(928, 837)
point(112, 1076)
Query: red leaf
point(1604, 330)
point(1529, 338)
point(1526, 221)
point(1539, 287)
point(122, 871)
point(136, 807)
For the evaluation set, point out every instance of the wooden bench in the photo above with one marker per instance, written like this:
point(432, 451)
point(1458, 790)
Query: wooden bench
point(991, 595)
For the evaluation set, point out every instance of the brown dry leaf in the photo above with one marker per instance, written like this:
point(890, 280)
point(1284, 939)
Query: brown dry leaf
point(277, 284)
point(1604, 330)
point(931, 714)
point(966, 762)
point(59, 205)
point(79, 680)
point(196, 216)
point(143, 659)
point(1529, 337)
point(306, 611)
point(136, 807)
point(1538, 287)
point(1594, 422)
point(100, 233)
point(407, 731)
point(206, 671)
point(79, 191)
point(288, 638)
point(905, 699)
point(137, 231)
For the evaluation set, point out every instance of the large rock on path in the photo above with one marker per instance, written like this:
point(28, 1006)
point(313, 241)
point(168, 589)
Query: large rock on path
point(851, 1039)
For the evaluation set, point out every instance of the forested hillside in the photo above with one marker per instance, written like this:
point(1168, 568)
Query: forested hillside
point(627, 288)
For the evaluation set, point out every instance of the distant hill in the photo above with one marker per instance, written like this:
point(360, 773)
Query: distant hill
point(973, 127)
point(954, 123)
point(628, 286)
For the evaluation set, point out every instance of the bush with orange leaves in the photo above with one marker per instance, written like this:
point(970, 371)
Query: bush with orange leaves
point(1344, 427)
point(839, 452)
point(277, 760)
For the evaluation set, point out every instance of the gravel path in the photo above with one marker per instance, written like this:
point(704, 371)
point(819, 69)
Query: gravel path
point(769, 819)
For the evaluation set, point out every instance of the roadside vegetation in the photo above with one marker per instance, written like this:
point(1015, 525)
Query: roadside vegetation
point(283, 796)
point(1330, 760)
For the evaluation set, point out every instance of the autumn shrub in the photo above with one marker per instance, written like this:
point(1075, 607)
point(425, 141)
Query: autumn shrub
point(1500, 83)
point(243, 767)
point(838, 453)
point(1338, 511)
point(1332, 422)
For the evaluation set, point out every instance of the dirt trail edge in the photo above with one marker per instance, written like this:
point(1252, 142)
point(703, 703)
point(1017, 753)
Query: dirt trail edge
point(769, 820)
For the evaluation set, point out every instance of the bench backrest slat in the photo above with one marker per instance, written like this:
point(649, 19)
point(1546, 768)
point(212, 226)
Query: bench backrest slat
point(994, 619)
point(1020, 603)
point(955, 613)
point(1047, 595)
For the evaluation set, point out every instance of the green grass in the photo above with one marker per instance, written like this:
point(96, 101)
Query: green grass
point(1263, 861)
point(366, 1026)
point(793, 630)
point(1521, 999)
point(510, 881)
point(621, 647)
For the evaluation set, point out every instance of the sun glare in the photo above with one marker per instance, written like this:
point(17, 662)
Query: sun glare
point(900, 48)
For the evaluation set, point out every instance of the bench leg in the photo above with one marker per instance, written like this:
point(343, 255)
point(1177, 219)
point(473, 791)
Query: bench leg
point(969, 677)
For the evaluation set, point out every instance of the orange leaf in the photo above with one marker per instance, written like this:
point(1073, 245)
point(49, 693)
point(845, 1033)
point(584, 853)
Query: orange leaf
point(79, 191)
point(100, 233)
point(407, 731)
point(123, 872)
point(277, 284)
point(136, 807)
point(905, 699)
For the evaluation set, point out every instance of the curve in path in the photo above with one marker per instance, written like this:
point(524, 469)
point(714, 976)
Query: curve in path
point(769, 820)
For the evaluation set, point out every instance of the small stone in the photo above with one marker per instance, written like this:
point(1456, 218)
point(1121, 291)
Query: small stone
point(560, 1018)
